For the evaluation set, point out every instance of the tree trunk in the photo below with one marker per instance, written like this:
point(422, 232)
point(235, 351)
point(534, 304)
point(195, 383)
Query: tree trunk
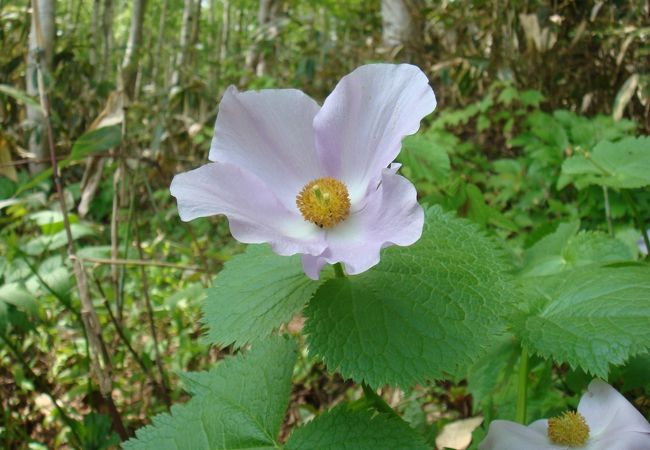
point(94, 35)
point(225, 32)
point(43, 23)
point(402, 27)
point(130, 61)
point(187, 28)
point(157, 56)
point(255, 59)
point(107, 31)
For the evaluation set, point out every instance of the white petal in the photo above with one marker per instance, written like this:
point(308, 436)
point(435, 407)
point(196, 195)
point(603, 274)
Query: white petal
point(625, 440)
point(506, 435)
point(606, 411)
point(360, 127)
point(254, 213)
point(269, 133)
point(312, 265)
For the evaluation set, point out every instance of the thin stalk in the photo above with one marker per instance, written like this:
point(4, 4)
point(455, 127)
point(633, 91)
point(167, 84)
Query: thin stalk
point(125, 250)
point(41, 385)
point(596, 164)
point(522, 386)
point(608, 212)
point(377, 401)
point(139, 262)
point(115, 238)
point(120, 332)
point(338, 270)
point(152, 325)
point(638, 219)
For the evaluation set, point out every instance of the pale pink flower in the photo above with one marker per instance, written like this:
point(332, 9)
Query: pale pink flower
point(278, 157)
point(613, 424)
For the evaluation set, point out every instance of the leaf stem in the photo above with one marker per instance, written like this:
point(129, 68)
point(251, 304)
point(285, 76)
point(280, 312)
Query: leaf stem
point(608, 212)
point(522, 386)
point(376, 400)
point(597, 165)
point(338, 270)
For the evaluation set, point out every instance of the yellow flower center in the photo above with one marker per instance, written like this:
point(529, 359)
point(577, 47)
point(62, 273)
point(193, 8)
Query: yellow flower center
point(324, 201)
point(568, 429)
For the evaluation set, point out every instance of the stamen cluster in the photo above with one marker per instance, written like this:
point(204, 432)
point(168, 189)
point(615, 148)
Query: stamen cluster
point(568, 429)
point(324, 201)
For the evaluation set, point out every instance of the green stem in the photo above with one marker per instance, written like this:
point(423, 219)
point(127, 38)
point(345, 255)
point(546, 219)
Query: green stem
point(338, 270)
point(522, 386)
point(637, 218)
point(597, 165)
point(608, 212)
point(376, 400)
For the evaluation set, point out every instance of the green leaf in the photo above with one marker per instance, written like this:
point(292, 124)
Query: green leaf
point(19, 95)
point(426, 157)
point(14, 295)
point(51, 221)
point(507, 95)
point(47, 242)
point(531, 98)
point(34, 181)
point(343, 428)
point(94, 141)
point(592, 317)
point(565, 250)
point(239, 404)
point(254, 294)
point(623, 165)
point(425, 311)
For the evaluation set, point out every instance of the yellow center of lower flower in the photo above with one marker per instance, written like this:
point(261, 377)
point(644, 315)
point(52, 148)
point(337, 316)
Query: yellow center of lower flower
point(324, 201)
point(568, 429)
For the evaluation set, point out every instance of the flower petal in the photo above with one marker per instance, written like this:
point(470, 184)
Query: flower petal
point(312, 265)
point(628, 440)
point(360, 127)
point(607, 412)
point(254, 213)
point(270, 134)
point(506, 435)
point(391, 216)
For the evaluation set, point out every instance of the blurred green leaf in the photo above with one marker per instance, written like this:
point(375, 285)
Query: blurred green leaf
point(624, 164)
point(592, 317)
point(95, 141)
point(19, 95)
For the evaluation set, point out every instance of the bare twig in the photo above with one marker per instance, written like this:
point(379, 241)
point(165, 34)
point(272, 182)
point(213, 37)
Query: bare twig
point(100, 363)
point(138, 262)
point(120, 332)
point(152, 325)
point(115, 237)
